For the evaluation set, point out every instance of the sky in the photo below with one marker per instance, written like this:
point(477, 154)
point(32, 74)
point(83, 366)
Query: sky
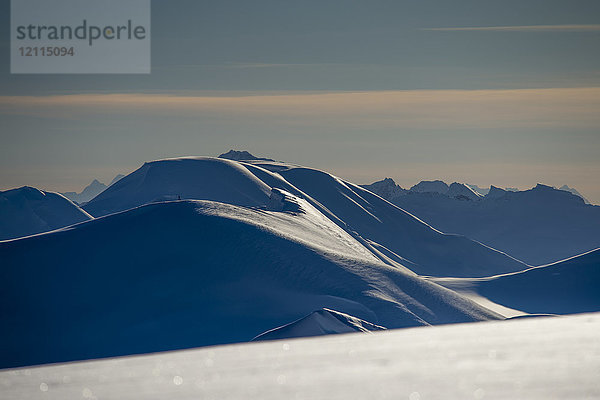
point(483, 92)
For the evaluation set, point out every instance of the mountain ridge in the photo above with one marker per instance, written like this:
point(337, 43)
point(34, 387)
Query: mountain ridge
point(28, 211)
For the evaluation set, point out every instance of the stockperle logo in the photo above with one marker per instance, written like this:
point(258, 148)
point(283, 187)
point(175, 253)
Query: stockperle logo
point(80, 36)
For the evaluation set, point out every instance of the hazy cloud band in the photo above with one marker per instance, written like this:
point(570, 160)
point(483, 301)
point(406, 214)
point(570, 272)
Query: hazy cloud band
point(554, 107)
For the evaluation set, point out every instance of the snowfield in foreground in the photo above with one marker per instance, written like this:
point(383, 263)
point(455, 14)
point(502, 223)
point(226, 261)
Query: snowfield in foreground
point(533, 358)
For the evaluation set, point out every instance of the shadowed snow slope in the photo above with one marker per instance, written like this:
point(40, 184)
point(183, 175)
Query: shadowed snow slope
point(192, 273)
point(389, 229)
point(533, 359)
point(199, 178)
point(318, 323)
point(27, 211)
point(566, 287)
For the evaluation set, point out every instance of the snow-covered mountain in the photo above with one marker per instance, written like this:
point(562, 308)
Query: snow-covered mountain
point(318, 323)
point(460, 191)
point(199, 178)
point(182, 274)
point(387, 189)
point(90, 191)
point(538, 226)
point(27, 211)
point(393, 234)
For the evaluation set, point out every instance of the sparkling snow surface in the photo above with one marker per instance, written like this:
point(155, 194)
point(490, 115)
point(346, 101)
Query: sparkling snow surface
point(532, 358)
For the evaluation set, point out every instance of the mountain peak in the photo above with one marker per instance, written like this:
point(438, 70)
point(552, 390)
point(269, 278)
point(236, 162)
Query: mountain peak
point(88, 193)
point(242, 155)
point(477, 189)
point(495, 192)
point(461, 191)
point(386, 188)
point(436, 186)
point(541, 186)
point(574, 191)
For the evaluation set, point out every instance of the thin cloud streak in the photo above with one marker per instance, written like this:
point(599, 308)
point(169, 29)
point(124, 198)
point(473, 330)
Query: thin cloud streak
point(430, 109)
point(281, 65)
point(522, 28)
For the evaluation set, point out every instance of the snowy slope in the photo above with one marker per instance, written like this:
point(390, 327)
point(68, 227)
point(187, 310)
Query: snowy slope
point(533, 359)
point(387, 228)
point(566, 287)
point(538, 226)
point(181, 274)
point(200, 178)
point(26, 211)
point(318, 323)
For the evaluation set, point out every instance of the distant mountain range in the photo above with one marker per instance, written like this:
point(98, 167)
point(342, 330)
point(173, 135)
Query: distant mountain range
point(539, 225)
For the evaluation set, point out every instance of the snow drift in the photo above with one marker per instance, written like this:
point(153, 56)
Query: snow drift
point(318, 323)
point(27, 211)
